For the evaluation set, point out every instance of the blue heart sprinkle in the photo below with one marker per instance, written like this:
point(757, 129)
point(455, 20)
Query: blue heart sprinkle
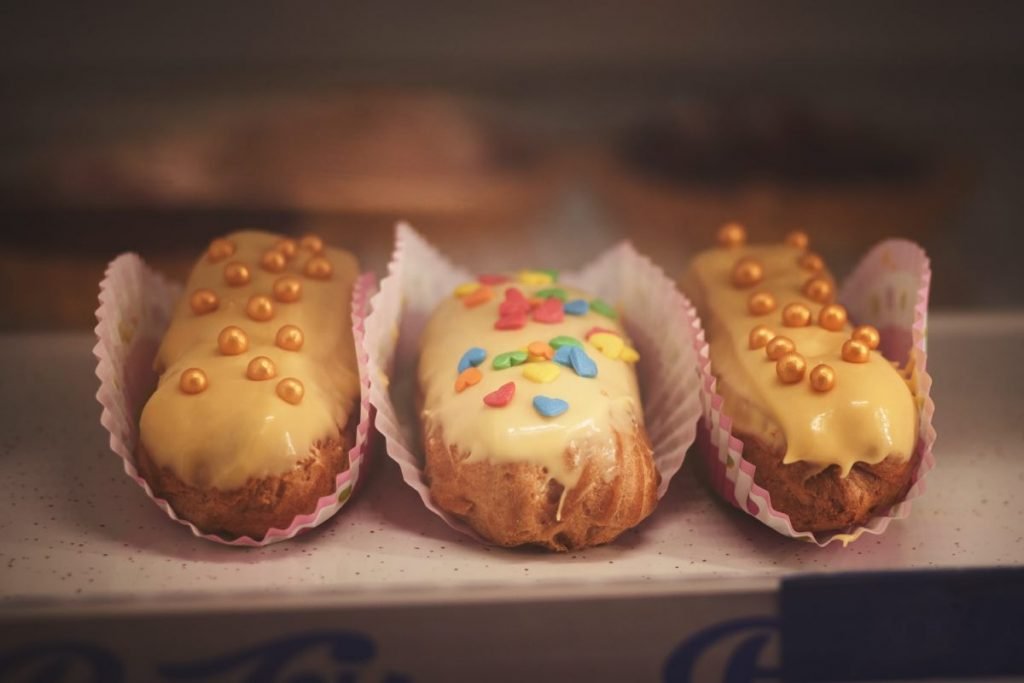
point(582, 363)
point(576, 307)
point(549, 407)
point(475, 356)
point(562, 356)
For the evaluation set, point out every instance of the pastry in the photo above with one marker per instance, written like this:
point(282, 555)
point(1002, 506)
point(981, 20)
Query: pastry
point(255, 408)
point(531, 417)
point(829, 423)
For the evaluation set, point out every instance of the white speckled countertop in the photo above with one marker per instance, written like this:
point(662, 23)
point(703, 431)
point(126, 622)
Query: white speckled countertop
point(74, 528)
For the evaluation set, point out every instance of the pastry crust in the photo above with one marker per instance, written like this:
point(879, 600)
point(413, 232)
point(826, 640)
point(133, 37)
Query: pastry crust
point(515, 504)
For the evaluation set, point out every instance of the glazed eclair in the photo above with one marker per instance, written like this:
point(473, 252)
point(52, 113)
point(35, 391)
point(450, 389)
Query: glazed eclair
point(531, 416)
point(828, 422)
point(256, 403)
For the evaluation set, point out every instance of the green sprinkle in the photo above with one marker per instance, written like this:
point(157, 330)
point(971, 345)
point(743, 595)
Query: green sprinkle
point(556, 292)
point(560, 341)
point(503, 361)
point(552, 272)
point(605, 309)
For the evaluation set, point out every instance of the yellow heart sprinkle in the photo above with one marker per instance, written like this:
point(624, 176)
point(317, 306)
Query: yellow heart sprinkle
point(541, 372)
point(466, 288)
point(629, 355)
point(609, 344)
point(535, 277)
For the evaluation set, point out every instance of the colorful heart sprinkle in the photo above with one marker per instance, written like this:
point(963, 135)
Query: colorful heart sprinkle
point(535, 277)
point(610, 345)
point(563, 355)
point(541, 350)
point(468, 378)
point(512, 321)
point(502, 396)
point(466, 288)
point(629, 355)
point(503, 361)
point(576, 307)
point(481, 295)
point(549, 407)
point(603, 308)
point(583, 364)
point(556, 292)
point(488, 279)
point(594, 330)
point(471, 358)
point(514, 303)
point(549, 312)
point(541, 373)
point(564, 340)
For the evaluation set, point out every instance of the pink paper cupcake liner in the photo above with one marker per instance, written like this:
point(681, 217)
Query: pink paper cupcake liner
point(888, 289)
point(136, 305)
point(419, 277)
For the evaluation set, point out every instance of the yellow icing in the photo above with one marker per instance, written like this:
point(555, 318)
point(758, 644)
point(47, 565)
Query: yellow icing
point(239, 428)
point(517, 433)
point(869, 414)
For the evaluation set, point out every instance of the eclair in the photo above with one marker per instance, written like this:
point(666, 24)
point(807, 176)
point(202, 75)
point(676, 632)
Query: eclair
point(531, 417)
point(255, 408)
point(829, 423)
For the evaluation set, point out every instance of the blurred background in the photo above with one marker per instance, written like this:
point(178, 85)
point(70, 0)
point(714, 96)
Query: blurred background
point(511, 134)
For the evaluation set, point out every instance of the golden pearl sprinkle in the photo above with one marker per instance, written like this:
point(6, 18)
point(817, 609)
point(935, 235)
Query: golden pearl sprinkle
point(286, 246)
point(220, 249)
point(237, 274)
point(287, 289)
point(796, 315)
point(797, 239)
point(260, 368)
point(312, 243)
point(760, 336)
point(832, 317)
point(291, 390)
point(193, 381)
point(867, 335)
point(203, 301)
point(318, 267)
point(811, 262)
point(289, 338)
point(818, 289)
point(761, 303)
point(855, 351)
point(232, 341)
point(791, 368)
point(747, 272)
point(273, 261)
point(778, 347)
point(823, 378)
point(732, 235)
point(260, 308)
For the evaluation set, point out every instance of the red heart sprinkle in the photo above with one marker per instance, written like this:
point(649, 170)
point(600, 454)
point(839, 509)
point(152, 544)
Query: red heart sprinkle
point(488, 279)
point(513, 321)
point(595, 330)
point(514, 302)
point(502, 396)
point(550, 311)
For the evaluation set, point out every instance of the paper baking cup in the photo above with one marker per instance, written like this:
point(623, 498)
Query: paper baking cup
point(419, 277)
point(888, 289)
point(136, 304)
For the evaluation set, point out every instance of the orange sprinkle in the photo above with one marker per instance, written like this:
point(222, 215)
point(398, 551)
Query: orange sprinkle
point(539, 348)
point(480, 295)
point(468, 378)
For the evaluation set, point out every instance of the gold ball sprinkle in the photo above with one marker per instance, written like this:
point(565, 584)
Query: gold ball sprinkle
point(812, 262)
point(312, 243)
point(260, 368)
point(287, 289)
point(260, 308)
point(855, 351)
point(318, 267)
point(760, 335)
point(290, 338)
point(823, 378)
point(818, 289)
point(867, 335)
point(203, 301)
point(291, 390)
point(193, 381)
point(286, 246)
point(832, 317)
point(273, 261)
point(747, 272)
point(220, 249)
point(237, 274)
point(797, 239)
point(796, 315)
point(232, 341)
point(761, 303)
point(732, 235)
point(779, 346)
point(791, 368)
